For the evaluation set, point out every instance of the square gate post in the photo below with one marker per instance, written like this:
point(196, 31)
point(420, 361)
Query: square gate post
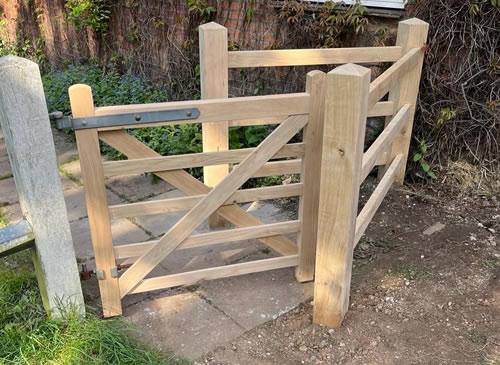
point(412, 33)
point(346, 107)
point(30, 146)
point(87, 140)
point(214, 85)
point(310, 177)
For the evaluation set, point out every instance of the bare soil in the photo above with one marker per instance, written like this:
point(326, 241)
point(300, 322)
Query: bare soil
point(416, 298)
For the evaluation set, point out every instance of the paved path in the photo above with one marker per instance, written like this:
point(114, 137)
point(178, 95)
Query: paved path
point(189, 321)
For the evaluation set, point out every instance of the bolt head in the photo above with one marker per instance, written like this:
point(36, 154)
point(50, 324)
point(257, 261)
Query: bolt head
point(137, 117)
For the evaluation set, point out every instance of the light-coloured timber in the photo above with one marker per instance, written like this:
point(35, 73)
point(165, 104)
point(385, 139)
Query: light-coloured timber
point(213, 110)
point(320, 56)
point(213, 200)
point(188, 202)
point(385, 82)
point(274, 168)
point(82, 105)
point(383, 140)
point(193, 277)
point(378, 195)
point(132, 148)
point(412, 33)
point(213, 238)
point(346, 105)
point(214, 84)
point(381, 109)
point(165, 163)
point(310, 177)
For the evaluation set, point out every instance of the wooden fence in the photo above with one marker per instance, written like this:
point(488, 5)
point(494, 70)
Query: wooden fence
point(330, 160)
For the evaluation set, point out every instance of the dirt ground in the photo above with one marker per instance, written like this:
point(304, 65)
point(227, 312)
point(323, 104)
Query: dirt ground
point(425, 290)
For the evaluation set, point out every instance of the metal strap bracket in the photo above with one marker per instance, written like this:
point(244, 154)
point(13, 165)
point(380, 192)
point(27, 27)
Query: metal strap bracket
point(124, 119)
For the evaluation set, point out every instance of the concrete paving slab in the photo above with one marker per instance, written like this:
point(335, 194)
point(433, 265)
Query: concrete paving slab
point(8, 191)
point(75, 202)
point(268, 212)
point(138, 187)
point(65, 146)
point(73, 167)
point(184, 323)
point(5, 169)
point(67, 183)
point(123, 231)
point(158, 224)
point(257, 298)
point(210, 256)
point(13, 213)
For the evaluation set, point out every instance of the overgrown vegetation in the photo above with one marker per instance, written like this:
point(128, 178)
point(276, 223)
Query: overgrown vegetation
point(29, 337)
point(458, 114)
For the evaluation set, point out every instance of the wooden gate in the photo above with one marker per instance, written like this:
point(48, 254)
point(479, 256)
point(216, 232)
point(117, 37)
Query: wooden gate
point(302, 109)
point(330, 160)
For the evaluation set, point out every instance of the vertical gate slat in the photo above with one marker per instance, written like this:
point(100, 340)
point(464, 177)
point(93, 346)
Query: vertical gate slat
point(310, 177)
point(82, 105)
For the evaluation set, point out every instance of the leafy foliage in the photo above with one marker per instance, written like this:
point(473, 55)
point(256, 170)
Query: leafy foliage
point(93, 14)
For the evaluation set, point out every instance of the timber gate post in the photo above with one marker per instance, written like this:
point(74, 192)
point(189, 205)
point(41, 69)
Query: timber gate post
point(82, 105)
point(412, 33)
point(214, 85)
point(28, 138)
point(346, 107)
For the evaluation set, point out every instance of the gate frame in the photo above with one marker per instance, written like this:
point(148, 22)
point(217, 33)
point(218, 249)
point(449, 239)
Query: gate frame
point(337, 105)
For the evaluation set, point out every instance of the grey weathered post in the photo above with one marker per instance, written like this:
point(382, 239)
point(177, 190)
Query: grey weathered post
point(26, 128)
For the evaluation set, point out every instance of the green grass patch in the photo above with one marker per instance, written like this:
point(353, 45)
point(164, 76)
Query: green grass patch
point(488, 263)
point(4, 221)
point(28, 336)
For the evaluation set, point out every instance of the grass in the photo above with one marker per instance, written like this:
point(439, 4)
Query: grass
point(3, 219)
point(28, 336)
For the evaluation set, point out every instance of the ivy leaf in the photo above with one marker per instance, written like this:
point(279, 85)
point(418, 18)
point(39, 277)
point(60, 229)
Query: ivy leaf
point(431, 175)
point(417, 157)
point(426, 167)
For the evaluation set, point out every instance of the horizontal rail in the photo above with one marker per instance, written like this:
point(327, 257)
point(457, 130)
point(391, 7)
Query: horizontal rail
point(167, 163)
point(381, 109)
point(275, 168)
point(188, 202)
point(192, 277)
point(319, 56)
point(215, 110)
point(365, 216)
point(214, 238)
point(384, 140)
point(15, 238)
point(385, 82)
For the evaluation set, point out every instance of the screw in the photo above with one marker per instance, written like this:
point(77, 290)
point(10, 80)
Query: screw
point(84, 123)
point(137, 117)
point(189, 114)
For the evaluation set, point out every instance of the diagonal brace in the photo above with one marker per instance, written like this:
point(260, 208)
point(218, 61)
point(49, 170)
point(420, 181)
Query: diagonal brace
point(132, 148)
point(209, 204)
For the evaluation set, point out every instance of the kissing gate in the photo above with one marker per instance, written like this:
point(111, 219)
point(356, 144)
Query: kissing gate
point(330, 160)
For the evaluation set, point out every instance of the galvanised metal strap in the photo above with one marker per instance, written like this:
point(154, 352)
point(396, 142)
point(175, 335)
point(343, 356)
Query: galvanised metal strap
point(124, 119)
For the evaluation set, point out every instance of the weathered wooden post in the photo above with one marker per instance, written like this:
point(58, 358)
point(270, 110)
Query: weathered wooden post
point(412, 33)
point(214, 85)
point(310, 177)
point(28, 137)
point(346, 107)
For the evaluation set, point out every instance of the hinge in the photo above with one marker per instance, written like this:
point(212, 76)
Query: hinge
point(123, 119)
point(100, 274)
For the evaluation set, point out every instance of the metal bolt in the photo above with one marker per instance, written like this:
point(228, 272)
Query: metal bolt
point(189, 114)
point(137, 117)
point(84, 123)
